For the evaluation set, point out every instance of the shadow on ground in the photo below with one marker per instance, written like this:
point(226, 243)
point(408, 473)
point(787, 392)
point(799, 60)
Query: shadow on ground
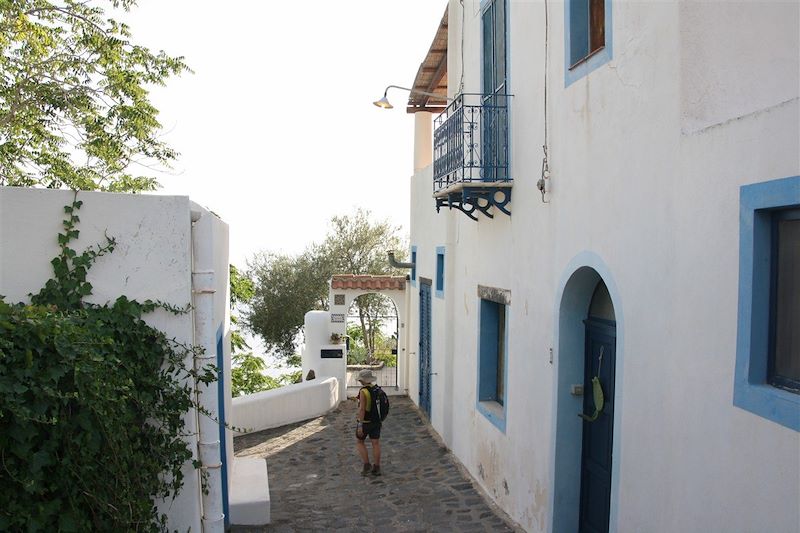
point(316, 484)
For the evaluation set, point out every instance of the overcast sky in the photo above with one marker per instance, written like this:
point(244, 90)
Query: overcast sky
point(276, 127)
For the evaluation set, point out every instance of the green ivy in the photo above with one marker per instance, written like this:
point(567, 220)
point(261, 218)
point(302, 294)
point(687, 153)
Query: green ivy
point(92, 405)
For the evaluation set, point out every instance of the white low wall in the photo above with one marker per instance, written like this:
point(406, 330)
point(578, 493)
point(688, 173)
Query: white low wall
point(285, 405)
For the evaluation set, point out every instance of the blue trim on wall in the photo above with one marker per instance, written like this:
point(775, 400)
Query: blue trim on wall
point(750, 390)
point(494, 411)
point(223, 442)
point(440, 271)
point(414, 268)
point(598, 59)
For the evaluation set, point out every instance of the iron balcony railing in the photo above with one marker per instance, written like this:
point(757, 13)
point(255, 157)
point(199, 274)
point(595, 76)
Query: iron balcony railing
point(470, 141)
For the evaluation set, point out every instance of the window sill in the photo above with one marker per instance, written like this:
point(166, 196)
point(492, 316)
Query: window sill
point(585, 66)
point(778, 405)
point(494, 412)
point(585, 59)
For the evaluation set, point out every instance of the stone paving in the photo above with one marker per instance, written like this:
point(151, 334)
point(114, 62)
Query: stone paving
point(316, 484)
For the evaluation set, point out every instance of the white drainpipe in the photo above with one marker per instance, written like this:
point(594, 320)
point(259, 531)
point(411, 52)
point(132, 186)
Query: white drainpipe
point(203, 289)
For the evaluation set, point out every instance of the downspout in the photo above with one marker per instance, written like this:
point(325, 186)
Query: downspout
point(397, 264)
point(203, 289)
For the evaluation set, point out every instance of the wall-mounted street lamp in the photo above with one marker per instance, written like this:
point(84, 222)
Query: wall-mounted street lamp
point(384, 102)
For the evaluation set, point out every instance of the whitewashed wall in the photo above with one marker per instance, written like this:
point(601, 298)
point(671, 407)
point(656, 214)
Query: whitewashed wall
point(647, 156)
point(152, 260)
point(285, 405)
point(428, 230)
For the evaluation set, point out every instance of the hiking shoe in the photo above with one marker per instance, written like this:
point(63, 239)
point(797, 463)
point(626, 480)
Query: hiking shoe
point(366, 470)
point(376, 470)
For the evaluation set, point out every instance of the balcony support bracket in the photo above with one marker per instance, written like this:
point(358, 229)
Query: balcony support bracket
point(468, 200)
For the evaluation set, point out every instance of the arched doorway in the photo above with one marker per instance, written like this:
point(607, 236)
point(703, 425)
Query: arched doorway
point(585, 405)
point(345, 289)
point(373, 328)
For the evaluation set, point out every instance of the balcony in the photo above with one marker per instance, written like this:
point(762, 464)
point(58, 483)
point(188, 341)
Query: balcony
point(470, 155)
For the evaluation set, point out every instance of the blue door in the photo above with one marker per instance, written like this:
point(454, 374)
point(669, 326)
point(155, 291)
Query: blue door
point(425, 345)
point(598, 433)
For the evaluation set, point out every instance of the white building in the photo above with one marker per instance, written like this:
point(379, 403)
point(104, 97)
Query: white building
point(663, 257)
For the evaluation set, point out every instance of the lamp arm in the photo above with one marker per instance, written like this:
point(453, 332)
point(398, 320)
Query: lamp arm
point(415, 91)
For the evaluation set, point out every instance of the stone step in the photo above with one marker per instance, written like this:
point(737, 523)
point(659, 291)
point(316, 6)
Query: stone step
point(249, 498)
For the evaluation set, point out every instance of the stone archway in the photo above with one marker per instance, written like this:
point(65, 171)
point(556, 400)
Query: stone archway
point(345, 288)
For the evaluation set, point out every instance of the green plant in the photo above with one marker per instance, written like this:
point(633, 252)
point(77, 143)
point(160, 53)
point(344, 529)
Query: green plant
point(359, 354)
point(92, 405)
point(247, 376)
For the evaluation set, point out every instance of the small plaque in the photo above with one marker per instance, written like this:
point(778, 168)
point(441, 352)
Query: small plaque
point(327, 353)
point(337, 318)
point(338, 299)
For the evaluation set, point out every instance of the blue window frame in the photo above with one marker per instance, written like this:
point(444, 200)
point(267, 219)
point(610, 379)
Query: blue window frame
point(766, 356)
point(414, 268)
point(440, 271)
point(587, 37)
point(492, 362)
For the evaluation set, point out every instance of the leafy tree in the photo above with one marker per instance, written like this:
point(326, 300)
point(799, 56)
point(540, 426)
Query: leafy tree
point(357, 245)
point(371, 310)
point(247, 374)
point(242, 290)
point(74, 104)
point(287, 287)
point(381, 351)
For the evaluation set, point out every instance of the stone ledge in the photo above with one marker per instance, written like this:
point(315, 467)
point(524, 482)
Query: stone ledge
point(249, 497)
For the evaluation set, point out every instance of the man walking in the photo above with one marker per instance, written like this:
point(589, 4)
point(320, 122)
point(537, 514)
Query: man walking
point(368, 425)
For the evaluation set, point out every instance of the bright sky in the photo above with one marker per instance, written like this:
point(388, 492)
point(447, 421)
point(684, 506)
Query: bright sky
point(276, 127)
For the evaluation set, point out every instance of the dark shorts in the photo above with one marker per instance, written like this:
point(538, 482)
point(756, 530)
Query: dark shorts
point(373, 431)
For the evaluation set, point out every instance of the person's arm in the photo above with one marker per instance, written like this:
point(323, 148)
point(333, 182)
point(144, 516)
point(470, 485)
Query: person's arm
point(362, 411)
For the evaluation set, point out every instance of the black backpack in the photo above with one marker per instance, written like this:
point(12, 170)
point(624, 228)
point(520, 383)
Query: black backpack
point(380, 403)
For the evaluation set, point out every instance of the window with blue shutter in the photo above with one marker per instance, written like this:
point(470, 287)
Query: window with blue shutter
point(767, 377)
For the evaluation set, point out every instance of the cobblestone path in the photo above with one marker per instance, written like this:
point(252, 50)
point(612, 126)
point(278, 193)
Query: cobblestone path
point(316, 484)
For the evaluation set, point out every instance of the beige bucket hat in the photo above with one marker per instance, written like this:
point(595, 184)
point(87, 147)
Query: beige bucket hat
point(367, 376)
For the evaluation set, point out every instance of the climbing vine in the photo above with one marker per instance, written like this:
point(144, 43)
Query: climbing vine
point(92, 405)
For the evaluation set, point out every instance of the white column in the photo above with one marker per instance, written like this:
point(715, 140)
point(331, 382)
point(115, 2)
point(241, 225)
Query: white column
point(423, 140)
